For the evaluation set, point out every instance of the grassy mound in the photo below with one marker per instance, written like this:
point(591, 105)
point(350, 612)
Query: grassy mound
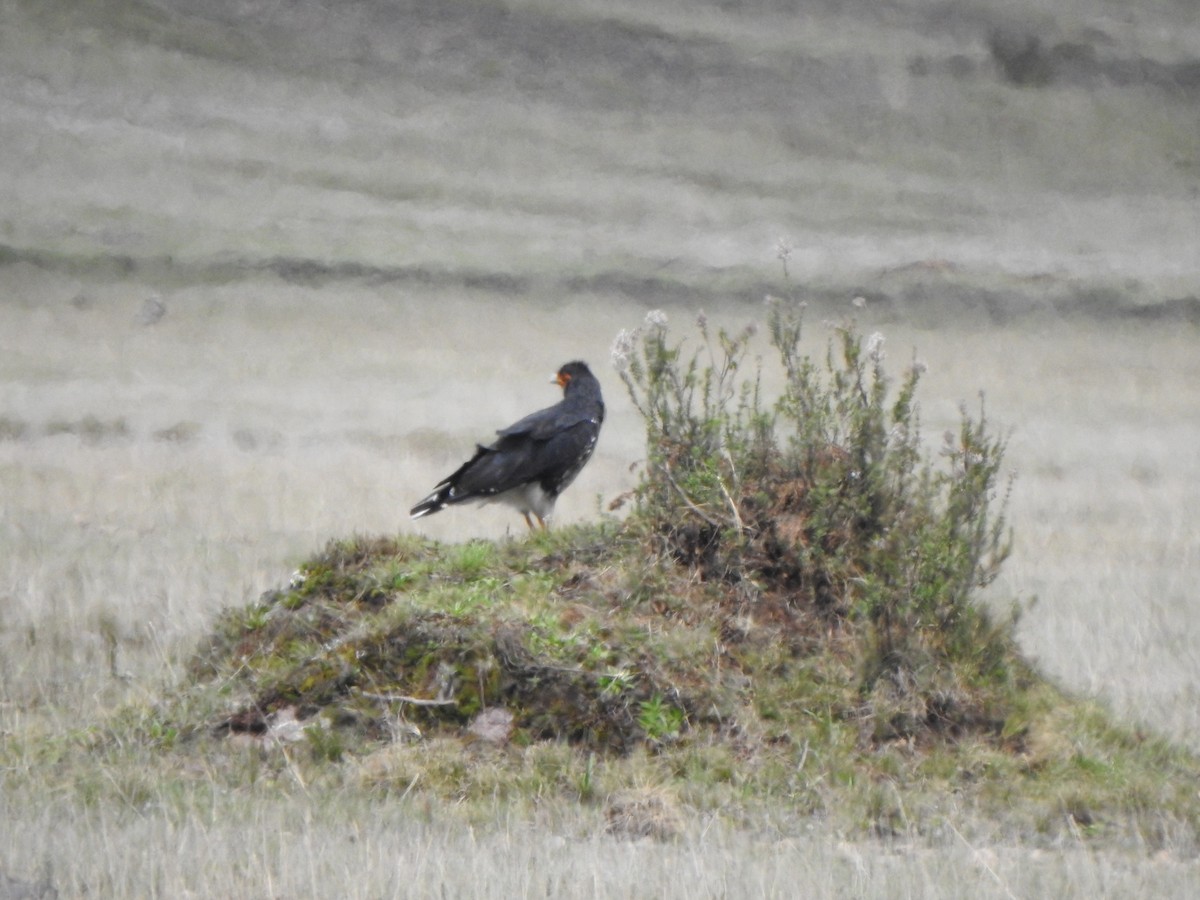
point(577, 665)
point(580, 635)
point(786, 620)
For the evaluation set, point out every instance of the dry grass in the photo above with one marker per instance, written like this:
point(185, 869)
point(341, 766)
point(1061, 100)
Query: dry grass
point(507, 212)
point(122, 547)
point(272, 848)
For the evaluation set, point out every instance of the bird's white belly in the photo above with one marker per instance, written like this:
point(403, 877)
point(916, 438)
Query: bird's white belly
point(527, 498)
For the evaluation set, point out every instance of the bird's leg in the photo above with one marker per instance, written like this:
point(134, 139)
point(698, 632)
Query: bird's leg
point(542, 522)
point(528, 521)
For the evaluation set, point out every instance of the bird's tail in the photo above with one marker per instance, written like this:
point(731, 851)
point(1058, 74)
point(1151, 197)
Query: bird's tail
point(435, 502)
point(449, 490)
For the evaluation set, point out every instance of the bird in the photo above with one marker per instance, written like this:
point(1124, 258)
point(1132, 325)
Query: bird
point(533, 460)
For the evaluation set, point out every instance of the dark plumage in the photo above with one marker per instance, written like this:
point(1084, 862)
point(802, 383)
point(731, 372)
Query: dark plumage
point(533, 460)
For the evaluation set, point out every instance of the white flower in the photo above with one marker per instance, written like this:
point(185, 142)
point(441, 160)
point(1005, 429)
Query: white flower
point(783, 249)
point(859, 302)
point(622, 347)
point(656, 318)
point(875, 348)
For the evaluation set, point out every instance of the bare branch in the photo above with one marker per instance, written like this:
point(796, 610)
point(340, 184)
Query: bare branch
point(688, 500)
point(401, 698)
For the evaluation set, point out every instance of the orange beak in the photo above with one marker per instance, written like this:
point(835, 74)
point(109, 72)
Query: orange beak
point(561, 380)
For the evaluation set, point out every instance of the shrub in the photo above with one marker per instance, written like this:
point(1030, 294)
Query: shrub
point(828, 497)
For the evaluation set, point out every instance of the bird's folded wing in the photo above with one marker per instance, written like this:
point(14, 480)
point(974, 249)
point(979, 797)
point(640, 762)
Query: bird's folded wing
point(520, 458)
point(545, 423)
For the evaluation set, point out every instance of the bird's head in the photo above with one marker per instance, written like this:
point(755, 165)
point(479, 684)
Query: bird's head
point(570, 372)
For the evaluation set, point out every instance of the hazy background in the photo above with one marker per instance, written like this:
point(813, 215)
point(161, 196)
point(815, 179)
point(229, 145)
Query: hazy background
point(269, 269)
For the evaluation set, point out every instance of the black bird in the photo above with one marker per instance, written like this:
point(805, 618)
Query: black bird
point(533, 460)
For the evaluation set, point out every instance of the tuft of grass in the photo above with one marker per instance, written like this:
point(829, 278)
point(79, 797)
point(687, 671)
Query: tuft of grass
point(471, 560)
point(661, 721)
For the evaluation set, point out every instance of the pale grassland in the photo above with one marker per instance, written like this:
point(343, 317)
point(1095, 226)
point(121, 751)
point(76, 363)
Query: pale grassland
point(310, 423)
point(514, 188)
point(206, 141)
point(295, 848)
